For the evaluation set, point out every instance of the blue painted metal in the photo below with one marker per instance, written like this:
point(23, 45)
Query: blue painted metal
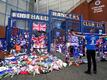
point(86, 28)
point(49, 32)
point(66, 18)
point(66, 31)
point(81, 25)
point(8, 37)
point(30, 34)
point(67, 21)
point(30, 22)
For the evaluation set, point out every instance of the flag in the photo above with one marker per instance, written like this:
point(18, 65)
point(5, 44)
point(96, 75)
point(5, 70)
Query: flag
point(36, 27)
point(38, 39)
point(39, 27)
point(43, 27)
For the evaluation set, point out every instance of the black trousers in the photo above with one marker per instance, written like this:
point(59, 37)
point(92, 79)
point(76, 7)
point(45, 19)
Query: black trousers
point(71, 48)
point(91, 58)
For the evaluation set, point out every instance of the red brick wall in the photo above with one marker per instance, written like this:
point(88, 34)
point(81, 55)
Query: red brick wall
point(101, 16)
point(85, 9)
point(2, 32)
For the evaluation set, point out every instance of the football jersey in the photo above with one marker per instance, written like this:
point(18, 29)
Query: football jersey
point(91, 41)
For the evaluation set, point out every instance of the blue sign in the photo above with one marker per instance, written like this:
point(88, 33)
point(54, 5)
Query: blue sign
point(25, 15)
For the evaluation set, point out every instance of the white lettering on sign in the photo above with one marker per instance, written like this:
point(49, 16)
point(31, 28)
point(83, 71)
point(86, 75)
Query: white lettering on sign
point(13, 14)
point(37, 17)
point(75, 17)
point(20, 15)
point(59, 14)
point(93, 24)
point(97, 3)
point(63, 15)
point(43, 18)
point(33, 17)
point(98, 7)
point(86, 23)
point(29, 16)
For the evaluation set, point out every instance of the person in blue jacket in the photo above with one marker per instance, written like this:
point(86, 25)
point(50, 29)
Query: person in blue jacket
point(91, 51)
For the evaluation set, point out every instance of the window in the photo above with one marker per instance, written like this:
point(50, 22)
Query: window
point(27, 6)
point(20, 9)
point(2, 7)
point(12, 2)
point(27, 0)
point(9, 7)
point(2, 17)
point(4, 0)
point(22, 4)
point(6, 20)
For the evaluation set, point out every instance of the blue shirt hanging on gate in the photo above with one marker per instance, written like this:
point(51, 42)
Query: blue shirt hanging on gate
point(91, 41)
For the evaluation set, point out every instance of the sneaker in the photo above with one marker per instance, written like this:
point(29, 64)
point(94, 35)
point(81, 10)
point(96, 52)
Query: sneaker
point(87, 72)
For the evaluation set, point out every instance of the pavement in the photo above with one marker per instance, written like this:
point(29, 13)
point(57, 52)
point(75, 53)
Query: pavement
point(68, 73)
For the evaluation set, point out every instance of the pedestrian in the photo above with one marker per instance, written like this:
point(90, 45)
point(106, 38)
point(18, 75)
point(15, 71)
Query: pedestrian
point(91, 51)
